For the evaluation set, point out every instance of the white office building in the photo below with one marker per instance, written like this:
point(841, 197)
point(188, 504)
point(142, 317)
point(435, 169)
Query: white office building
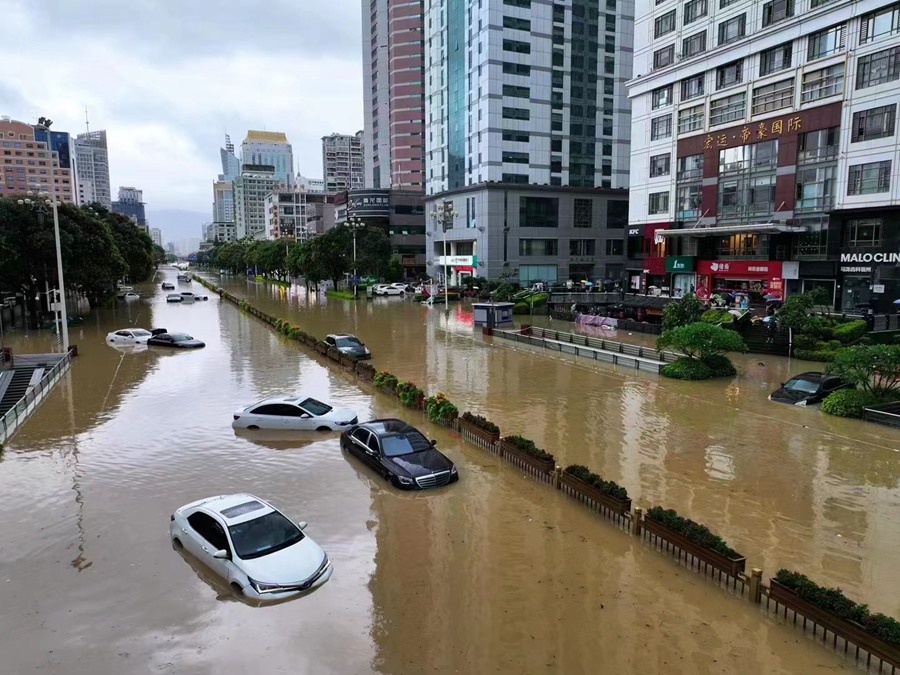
point(92, 168)
point(156, 236)
point(268, 148)
point(250, 190)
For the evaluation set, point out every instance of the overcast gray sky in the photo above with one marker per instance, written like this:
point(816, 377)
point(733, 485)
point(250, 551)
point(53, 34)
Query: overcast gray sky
point(168, 78)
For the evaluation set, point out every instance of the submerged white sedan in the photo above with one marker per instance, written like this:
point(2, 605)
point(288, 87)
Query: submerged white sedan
point(129, 336)
point(254, 547)
point(295, 413)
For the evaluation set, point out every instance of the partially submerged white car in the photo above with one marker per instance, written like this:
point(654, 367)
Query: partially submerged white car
point(129, 336)
point(250, 544)
point(389, 289)
point(294, 413)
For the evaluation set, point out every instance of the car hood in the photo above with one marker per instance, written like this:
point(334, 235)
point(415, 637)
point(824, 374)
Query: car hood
point(420, 463)
point(340, 415)
point(191, 343)
point(783, 395)
point(292, 565)
point(356, 349)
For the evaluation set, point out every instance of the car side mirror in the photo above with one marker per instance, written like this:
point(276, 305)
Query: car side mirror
point(782, 384)
point(305, 416)
point(302, 524)
point(433, 441)
point(221, 554)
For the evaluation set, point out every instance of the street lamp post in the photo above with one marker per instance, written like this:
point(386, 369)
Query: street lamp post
point(446, 215)
point(355, 224)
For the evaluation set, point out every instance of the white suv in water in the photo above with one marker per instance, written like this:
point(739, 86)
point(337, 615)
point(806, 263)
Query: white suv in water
point(254, 547)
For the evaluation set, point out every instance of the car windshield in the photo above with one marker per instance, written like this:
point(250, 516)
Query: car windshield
point(264, 535)
point(180, 337)
point(315, 407)
point(348, 342)
point(404, 444)
point(802, 385)
point(140, 333)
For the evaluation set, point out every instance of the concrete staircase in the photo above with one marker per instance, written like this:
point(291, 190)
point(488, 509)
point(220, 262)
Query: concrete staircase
point(17, 388)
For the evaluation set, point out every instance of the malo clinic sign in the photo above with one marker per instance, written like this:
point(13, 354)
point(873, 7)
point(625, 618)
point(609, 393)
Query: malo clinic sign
point(870, 257)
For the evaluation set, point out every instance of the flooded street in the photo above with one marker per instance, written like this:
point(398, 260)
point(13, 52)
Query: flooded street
point(491, 574)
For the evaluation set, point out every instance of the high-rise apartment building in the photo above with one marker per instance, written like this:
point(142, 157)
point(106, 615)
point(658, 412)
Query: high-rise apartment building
point(295, 213)
point(156, 236)
point(527, 125)
point(765, 154)
point(250, 190)
point(223, 201)
point(25, 161)
point(342, 161)
point(268, 148)
point(131, 203)
point(394, 93)
point(92, 168)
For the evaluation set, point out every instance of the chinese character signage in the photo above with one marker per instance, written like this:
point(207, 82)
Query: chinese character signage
point(762, 131)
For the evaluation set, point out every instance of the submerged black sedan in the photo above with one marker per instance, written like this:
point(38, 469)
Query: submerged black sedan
point(400, 453)
point(807, 388)
point(176, 340)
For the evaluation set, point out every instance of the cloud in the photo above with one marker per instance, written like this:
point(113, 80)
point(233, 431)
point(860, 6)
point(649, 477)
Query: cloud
point(167, 79)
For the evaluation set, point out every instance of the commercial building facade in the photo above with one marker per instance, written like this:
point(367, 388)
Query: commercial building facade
point(156, 236)
point(297, 213)
point(342, 162)
point(92, 168)
point(131, 203)
point(250, 190)
point(268, 148)
point(765, 156)
point(394, 93)
point(26, 161)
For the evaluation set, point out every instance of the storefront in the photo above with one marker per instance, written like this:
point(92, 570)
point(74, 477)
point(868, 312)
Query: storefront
point(458, 267)
point(683, 279)
point(758, 280)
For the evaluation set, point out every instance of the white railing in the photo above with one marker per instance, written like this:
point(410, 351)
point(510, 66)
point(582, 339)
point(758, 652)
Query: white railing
point(23, 409)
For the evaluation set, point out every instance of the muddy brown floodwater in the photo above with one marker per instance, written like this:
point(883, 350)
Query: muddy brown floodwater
point(493, 574)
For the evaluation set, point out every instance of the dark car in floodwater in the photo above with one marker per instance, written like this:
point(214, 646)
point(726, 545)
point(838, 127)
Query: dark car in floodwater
point(349, 345)
point(400, 453)
point(175, 340)
point(807, 388)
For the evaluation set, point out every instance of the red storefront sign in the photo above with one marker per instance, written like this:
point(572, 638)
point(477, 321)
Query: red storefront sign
point(765, 276)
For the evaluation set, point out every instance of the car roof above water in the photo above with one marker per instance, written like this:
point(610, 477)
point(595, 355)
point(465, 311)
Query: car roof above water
point(812, 376)
point(234, 508)
point(388, 426)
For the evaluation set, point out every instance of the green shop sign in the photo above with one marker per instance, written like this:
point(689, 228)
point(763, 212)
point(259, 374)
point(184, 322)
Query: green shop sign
point(680, 264)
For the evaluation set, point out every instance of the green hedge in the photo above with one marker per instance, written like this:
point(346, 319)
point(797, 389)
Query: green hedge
point(385, 380)
point(697, 533)
point(720, 365)
point(440, 409)
point(607, 487)
point(687, 369)
point(481, 422)
point(848, 402)
point(834, 601)
point(850, 332)
point(823, 355)
point(341, 295)
point(528, 446)
point(720, 317)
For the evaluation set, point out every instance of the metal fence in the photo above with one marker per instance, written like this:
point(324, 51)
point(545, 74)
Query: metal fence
point(22, 410)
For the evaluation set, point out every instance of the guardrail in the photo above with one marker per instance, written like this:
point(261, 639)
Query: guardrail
point(887, 414)
point(21, 411)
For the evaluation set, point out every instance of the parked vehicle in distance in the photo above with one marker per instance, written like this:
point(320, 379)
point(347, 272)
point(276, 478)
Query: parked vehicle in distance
point(400, 453)
point(388, 289)
point(130, 296)
point(174, 297)
point(168, 286)
point(176, 340)
point(251, 545)
point(129, 336)
point(184, 278)
point(807, 388)
point(293, 412)
point(187, 296)
point(349, 345)
point(402, 285)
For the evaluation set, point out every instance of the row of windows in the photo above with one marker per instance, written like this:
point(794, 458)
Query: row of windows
point(577, 247)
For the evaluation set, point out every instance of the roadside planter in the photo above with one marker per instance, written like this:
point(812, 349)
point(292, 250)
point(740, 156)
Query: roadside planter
point(527, 452)
point(730, 564)
point(474, 425)
point(618, 505)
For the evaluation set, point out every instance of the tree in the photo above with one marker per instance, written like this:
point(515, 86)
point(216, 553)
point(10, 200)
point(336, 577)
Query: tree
point(682, 312)
point(373, 251)
point(701, 341)
point(873, 368)
point(797, 311)
point(394, 269)
point(134, 245)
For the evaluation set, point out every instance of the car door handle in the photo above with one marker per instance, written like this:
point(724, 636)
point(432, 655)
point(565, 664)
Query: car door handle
point(184, 530)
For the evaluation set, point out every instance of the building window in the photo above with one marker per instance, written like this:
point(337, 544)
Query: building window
point(693, 10)
point(659, 165)
point(693, 45)
point(616, 215)
point(690, 119)
point(661, 97)
point(881, 22)
point(518, 3)
point(777, 10)
point(878, 68)
point(584, 212)
point(815, 188)
point(664, 57)
point(687, 202)
point(515, 178)
point(823, 83)
point(520, 137)
point(536, 247)
point(660, 127)
point(825, 42)
point(692, 87)
point(733, 29)
point(516, 23)
point(775, 59)
point(515, 91)
point(863, 233)
point(816, 146)
point(582, 246)
point(614, 247)
point(664, 24)
point(871, 178)
point(516, 46)
point(773, 96)
point(515, 157)
point(518, 69)
point(690, 167)
point(659, 202)
point(516, 114)
point(727, 109)
point(730, 74)
point(874, 123)
point(538, 212)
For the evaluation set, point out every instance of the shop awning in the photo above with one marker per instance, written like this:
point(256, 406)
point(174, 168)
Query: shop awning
point(725, 230)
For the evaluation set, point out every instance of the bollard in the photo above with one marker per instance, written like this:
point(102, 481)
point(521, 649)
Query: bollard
point(756, 586)
point(636, 521)
point(557, 474)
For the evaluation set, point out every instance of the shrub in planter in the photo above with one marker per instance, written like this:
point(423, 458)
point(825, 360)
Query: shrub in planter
point(384, 380)
point(720, 365)
point(439, 409)
point(721, 317)
point(824, 355)
point(697, 533)
point(527, 446)
point(410, 395)
point(481, 422)
point(687, 369)
point(607, 487)
point(805, 342)
point(848, 402)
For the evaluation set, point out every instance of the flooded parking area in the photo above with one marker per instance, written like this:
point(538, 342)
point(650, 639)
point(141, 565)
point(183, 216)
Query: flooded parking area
point(491, 574)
